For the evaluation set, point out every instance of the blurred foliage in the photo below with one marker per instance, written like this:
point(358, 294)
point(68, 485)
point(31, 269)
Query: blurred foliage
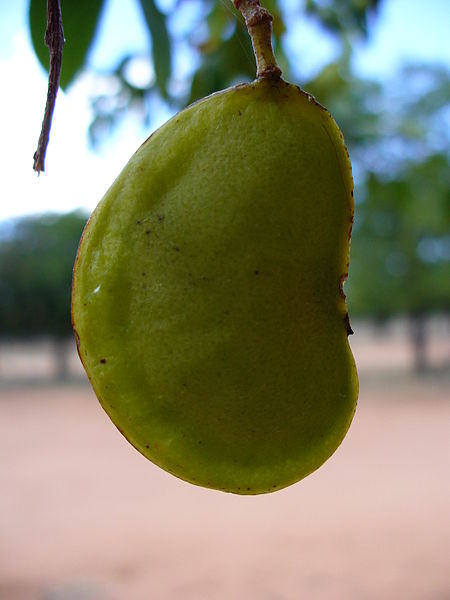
point(80, 22)
point(36, 260)
point(399, 143)
point(343, 16)
point(212, 35)
point(401, 244)
point(398, 136)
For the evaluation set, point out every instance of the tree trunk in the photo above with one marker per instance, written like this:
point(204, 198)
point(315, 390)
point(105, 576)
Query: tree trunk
point(61, 354)
point(419, 339)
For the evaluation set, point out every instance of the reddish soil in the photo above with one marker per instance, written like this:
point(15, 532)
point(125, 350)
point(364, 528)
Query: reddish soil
point(84, 517)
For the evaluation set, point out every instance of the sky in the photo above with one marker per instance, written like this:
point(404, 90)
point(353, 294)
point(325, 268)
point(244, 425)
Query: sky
point(76, 176)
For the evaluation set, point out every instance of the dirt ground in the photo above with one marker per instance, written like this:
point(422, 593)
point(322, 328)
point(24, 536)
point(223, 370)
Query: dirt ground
point(83, 516)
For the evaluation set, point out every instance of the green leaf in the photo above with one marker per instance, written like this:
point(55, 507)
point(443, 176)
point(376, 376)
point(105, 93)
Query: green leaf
point(80, 19)
point(156, 23)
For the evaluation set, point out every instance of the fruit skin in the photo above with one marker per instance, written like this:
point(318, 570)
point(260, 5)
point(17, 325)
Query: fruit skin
point(207, 293)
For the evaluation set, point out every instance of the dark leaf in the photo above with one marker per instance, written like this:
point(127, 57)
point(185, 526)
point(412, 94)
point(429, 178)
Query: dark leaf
point(80, 20)
point(156, 23)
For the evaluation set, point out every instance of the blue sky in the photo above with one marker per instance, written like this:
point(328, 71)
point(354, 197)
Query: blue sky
point(75, 176)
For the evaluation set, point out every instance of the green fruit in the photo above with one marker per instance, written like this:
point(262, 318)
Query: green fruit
point(207, 299)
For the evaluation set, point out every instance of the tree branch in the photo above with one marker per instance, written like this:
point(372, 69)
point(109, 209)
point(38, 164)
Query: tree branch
point(54, 40)
point(259, 25)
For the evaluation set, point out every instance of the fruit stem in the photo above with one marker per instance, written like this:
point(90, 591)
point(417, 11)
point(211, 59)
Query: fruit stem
point(259, 25)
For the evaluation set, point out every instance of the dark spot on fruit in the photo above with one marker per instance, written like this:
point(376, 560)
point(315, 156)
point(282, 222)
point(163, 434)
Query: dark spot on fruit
point(147, 446)
point(351, 193)
point(177, 249)
point(103, 361)
point(147, 231)
point(351, 227)
point(256, 272)
point(347, 325)
point(248, 489)
point(160, 218)
point(199, 442)
point(77, 338)
point(143, 273)
point(138, 222)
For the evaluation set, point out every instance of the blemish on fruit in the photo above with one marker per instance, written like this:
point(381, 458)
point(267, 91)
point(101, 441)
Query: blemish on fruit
point(103, 361)
point(350, 228)
point(347, 325)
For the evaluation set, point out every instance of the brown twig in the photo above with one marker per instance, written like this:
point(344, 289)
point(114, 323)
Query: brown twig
point(54, 40)
point(259, 24)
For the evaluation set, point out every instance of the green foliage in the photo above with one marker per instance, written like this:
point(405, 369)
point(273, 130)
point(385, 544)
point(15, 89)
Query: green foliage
point(401, 245)
point(80, 21)
point(156, 24)
point(36, 260)
point(223, 64)
point(352, 102)
point(343, 16)
point(400, 254)
point(216, 39)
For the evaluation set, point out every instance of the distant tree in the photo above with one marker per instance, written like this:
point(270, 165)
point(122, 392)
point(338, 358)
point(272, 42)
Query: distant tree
point(400, 255)
point(399, 142)
point(401, 248)
point(36, 259)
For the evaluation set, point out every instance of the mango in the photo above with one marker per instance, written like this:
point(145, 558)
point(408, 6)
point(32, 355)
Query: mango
point(208, 302)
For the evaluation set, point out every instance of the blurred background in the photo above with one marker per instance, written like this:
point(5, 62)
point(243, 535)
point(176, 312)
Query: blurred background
point(82, 515)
